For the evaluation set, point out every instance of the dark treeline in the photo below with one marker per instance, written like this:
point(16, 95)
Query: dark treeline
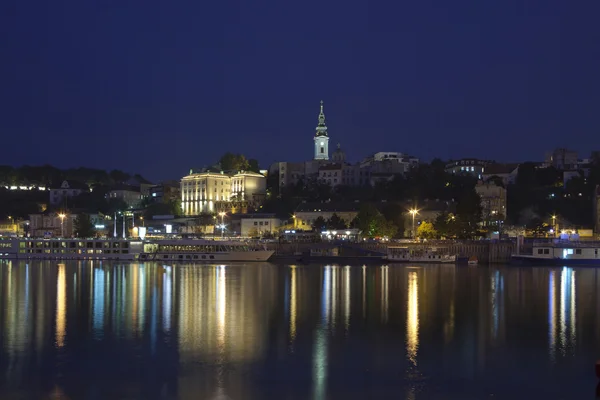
point(49, 176)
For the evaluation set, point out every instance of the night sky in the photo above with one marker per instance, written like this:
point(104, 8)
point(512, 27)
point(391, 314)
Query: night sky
point(157, 87)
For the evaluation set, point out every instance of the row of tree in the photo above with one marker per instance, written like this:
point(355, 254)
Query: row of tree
point(50, 176)
point(369, 220)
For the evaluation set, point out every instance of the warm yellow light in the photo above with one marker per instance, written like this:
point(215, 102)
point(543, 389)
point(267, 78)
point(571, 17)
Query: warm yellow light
point(61, 216)
point(413, 211)
point(222, 214)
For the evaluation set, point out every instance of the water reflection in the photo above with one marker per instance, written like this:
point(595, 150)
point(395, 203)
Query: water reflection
point(266, 331)
point(562, 321)
point(412, 318)
point(293, 303)
point(61, 306)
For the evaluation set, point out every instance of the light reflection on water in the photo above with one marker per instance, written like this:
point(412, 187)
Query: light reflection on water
point(268, 331)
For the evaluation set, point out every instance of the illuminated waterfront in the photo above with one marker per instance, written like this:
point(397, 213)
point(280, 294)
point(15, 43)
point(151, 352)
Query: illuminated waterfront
point(82, 330)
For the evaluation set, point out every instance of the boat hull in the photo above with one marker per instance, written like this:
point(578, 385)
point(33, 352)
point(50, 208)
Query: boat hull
point(531, 260)
point(241, 256)
point(80, 257)
point(421, 260)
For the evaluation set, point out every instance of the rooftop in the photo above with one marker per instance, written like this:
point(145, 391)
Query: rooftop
point(328, 207)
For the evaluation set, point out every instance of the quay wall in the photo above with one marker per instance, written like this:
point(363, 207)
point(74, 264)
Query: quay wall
point(486, 252)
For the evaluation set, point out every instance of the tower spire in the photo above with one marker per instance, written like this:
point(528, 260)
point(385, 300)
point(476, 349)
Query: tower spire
point(321, 127)
point(321, 138)
point(321, 116)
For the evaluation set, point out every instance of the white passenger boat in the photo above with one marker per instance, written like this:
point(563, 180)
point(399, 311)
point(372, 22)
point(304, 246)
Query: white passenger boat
point(420, 255)
point(70, 249)
point(560, 252)
point(188, 250)
point(196, 250)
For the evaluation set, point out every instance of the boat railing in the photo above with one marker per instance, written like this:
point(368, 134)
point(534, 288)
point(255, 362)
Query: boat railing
point(565, 243)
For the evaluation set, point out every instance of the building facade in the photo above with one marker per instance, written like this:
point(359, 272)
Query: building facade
point(67, 189)
point(506, 172)
point(493, 202)
point(468, 166)
point(131, 195)
point(562, 159)
point(209, 192)
point(253, 225)
point(51, 225)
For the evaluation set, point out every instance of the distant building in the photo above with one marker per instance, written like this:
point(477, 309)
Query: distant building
point(307, 213)
point(468, 166)
point(259, 224)
point(506, 172)
point(493, 202)
point(165, 192)
point(331, 174)
point(67, 189)
point(290, 173)
point(209, 192)
point(562, 159)
point(51, 224)
point(131, 195)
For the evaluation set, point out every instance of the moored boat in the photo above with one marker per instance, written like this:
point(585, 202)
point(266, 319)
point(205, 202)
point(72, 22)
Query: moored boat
point(560, 252)
point(473, 261)
point(190, 250)
point(70, 249)
point(422, 255)
point(197, 250)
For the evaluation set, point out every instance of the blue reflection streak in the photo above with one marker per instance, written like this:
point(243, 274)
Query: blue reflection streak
point(98, 299)
point(167, 302)
point(153, 322)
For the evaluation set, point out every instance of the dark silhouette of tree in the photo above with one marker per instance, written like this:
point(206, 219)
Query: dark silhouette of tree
point(83, 227)
point(118, 176)
point(319, 224)
point(253, 165)
point(234, 162)
point(335, 222)
point(372, 223)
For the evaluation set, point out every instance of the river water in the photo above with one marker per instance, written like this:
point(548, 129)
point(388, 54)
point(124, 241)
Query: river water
point(92, 330)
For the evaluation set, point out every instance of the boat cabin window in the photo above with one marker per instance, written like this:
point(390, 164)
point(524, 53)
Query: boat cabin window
point(540, 251)
point(577, 251)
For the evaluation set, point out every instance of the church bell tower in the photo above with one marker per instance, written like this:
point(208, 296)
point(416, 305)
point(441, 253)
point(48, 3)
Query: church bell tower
point(321, 138)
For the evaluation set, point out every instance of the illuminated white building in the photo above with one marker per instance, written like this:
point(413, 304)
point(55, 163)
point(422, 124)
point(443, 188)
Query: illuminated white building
point(208, 192)
point(321, 138)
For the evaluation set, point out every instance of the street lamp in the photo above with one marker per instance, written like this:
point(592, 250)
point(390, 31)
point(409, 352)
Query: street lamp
point(554, 223)
point(142, 218)
point(62, 224)
point(222, 214)
point(414, 212)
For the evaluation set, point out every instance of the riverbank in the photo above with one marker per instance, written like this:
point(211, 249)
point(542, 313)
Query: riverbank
point(484, 251)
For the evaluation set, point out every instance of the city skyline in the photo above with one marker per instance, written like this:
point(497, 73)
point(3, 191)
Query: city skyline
point(160, 90)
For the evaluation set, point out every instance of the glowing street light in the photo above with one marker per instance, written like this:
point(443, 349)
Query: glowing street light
point(62, 224)
point(414, 212)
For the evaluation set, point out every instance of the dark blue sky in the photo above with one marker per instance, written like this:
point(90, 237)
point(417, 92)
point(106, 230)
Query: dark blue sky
point(157, 87)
